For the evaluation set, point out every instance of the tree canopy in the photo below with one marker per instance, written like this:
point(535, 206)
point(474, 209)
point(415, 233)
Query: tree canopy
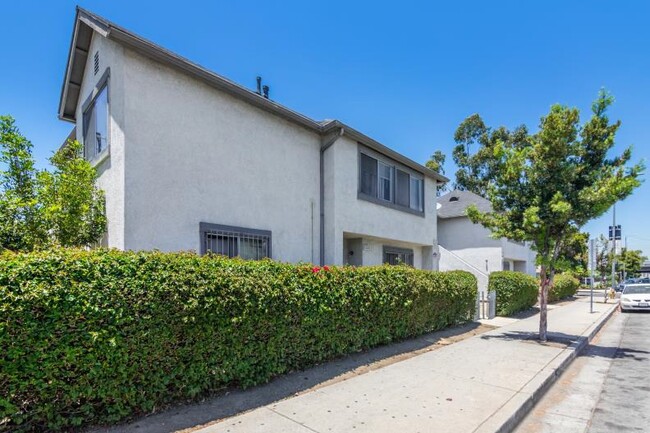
point(41, 208)
point(545, 186)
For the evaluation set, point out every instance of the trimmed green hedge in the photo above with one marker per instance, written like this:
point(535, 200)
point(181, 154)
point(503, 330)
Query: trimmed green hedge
point(96, 337)
point(564, 286)
point(516, 291)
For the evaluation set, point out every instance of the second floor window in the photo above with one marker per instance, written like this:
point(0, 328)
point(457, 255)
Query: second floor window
point(385, 181)
point(388, 183)
point(95, 126)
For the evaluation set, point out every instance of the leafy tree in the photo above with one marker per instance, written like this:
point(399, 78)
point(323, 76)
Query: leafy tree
point(574, 256)
point(39, 209)
point(631, 261)
point(73, 206)
point(20, 213)
point(476, 170)
point(437, 162)
point(545, 186)
point(603, 256)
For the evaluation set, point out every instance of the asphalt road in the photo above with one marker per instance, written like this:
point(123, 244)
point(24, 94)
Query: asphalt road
point(624, 403)
point(606, 389)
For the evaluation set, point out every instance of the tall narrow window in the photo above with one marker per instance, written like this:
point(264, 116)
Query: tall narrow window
point(417, 190)
point(368, 181)
point(385, 181)
point(402, 196)
point(95, 125)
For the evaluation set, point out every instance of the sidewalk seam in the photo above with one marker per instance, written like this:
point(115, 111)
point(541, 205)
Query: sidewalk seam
point(292, 420)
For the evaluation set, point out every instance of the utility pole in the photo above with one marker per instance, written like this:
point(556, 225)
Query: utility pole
point(593, 254)
point(613, 253)
point(625, 260)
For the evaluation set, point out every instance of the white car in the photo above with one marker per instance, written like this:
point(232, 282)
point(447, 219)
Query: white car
point(635, 297)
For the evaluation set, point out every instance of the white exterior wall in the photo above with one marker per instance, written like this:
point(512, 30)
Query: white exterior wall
point(378, 225)
point(473, 244)
point(190, 153)
point(196, 154)
point(111, 169)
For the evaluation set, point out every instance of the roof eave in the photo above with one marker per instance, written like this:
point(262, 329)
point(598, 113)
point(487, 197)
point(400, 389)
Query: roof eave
point(375, 145)
point(156, 52)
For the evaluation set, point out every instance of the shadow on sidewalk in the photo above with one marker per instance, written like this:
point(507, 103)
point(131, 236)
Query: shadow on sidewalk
point(559, 339)
point(553, 338)
point(234, 401)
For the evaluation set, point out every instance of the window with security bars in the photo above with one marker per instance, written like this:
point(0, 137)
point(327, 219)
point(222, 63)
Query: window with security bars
point(249, 244)
point(398, 256)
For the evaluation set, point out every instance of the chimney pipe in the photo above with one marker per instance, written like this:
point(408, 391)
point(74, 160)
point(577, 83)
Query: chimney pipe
point(259, 85)
point(265, 89)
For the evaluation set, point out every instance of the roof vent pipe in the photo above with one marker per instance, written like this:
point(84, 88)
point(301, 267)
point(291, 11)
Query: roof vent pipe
point(265, 89)
point(259, 85)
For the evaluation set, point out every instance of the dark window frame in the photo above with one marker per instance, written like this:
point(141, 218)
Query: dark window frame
point(102, 84)
point(207, 228)
point(387, 249)
point(395, 166)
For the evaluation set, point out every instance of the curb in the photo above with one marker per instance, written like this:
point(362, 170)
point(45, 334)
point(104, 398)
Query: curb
point(534, 390)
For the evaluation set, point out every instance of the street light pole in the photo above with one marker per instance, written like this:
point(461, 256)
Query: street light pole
point(625, 260)
point(592, 265)
point(613, 251)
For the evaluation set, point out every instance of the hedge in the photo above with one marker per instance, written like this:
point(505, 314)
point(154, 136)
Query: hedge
point(90, 337)
point(516, 291)
point(564, 286)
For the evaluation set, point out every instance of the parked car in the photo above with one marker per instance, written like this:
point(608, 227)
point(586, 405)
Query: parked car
point(635, 297)
point(622, 285)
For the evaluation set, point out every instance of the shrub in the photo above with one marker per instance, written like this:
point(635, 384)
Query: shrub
point(564, 286)
point(515, 291)
point(98, 336)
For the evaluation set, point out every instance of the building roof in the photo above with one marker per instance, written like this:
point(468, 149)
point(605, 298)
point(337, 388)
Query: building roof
point(86, 22)
point(455, 203)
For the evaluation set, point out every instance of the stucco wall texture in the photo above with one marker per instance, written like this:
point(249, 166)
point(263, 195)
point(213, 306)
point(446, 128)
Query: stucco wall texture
point(182, 152)
point(473, 244)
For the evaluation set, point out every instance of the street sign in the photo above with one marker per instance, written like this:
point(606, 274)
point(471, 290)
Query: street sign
point(618, 233)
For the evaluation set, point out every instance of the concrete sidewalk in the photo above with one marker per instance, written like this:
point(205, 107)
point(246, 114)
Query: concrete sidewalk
point(486, 383)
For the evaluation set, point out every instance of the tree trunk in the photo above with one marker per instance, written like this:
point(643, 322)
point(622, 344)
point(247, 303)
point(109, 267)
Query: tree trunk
point(543, 303)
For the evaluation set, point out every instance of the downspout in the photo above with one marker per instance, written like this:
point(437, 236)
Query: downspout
point(326, 144)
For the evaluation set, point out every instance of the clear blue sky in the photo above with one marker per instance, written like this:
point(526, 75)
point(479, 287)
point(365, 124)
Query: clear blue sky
point(405, 73)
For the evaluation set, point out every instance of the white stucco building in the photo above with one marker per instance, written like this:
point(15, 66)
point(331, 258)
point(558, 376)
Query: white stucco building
point(468, 246)
point(190, 160)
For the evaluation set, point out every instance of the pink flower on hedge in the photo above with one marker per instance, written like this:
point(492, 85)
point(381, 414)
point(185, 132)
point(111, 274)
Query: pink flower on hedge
point(315, 269)
point(326, 268)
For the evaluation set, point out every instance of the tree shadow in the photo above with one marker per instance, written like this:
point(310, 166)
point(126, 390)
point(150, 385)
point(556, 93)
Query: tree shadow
point(559, 339)
point(553, 338)
point(613, 352)
point(233, 401)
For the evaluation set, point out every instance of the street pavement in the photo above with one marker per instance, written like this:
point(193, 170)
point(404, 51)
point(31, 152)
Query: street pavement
point(482, 384)
point(606, 389)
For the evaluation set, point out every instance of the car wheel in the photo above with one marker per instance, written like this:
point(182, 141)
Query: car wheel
point(623, 310)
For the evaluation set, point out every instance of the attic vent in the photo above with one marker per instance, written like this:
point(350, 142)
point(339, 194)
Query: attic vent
point(453, 199)
point(96, 62)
